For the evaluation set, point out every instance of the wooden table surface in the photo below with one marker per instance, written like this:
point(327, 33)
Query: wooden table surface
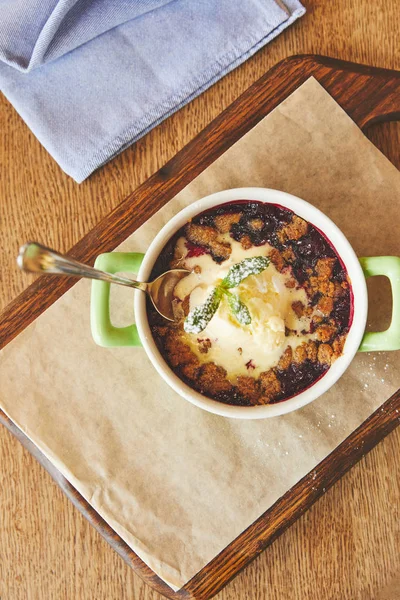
point(347, 546)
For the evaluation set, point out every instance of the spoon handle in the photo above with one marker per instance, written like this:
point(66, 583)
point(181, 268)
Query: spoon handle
point(35, 258)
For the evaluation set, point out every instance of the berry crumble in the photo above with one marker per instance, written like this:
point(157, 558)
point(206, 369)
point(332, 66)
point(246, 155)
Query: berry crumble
point(265, 310)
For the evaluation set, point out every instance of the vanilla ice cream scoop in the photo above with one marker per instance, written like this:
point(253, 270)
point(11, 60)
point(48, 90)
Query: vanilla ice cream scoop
point(256, 347)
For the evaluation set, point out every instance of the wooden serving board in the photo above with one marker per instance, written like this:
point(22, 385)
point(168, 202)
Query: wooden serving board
point(368, 95)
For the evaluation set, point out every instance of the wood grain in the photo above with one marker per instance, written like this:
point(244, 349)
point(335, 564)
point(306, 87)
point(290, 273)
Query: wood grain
point(367, 94)
point(363, 531)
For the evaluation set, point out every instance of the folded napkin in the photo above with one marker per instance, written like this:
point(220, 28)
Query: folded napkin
point(90, 77)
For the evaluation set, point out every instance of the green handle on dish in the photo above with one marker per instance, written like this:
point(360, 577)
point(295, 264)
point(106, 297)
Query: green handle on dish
point(389, 339)
point(103, 332)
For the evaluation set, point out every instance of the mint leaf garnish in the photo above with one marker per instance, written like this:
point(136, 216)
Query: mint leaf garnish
point(201, 315)
point(198, 318)
point(247, 267)
point(239, 309)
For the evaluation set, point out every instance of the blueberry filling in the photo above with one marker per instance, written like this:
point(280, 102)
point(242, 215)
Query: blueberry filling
point(314, 265)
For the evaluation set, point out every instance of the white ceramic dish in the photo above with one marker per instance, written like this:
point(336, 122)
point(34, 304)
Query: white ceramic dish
point(106, 335)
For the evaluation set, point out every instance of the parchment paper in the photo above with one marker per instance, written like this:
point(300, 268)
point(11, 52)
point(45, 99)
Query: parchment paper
point(176, 483)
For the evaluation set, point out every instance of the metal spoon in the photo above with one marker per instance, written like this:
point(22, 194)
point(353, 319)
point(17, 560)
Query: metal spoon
point(35, 258)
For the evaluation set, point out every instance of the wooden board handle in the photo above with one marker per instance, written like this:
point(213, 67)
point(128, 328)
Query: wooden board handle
point(367, 94)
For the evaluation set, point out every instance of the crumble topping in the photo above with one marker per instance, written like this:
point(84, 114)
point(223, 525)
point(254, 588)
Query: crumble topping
point(300, 306)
